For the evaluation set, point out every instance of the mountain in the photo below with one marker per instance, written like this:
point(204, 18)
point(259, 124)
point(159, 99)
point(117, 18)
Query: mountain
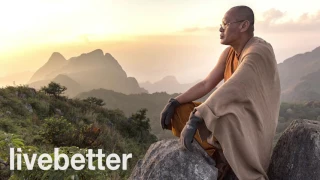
point(16, 78)
point(73, 88)
point(55, 62)
point(307, 89)
point(299, 77)
point(91, 70)
point(168, 84)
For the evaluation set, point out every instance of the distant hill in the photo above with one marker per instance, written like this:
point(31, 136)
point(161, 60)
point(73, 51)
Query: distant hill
point(299, 77)
point(129, 104)
point(16, 78)
point(73, 88)
point(91, 70)
point(307, 89)
point(168, 84)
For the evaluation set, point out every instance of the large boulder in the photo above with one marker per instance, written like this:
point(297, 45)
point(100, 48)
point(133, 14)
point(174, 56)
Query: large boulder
point(295, 157)
point(297, 153)
point(168, 160)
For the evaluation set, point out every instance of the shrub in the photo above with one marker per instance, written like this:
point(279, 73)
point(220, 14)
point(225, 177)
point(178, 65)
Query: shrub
point(58, 131)
point(7, 125)
point(94, 100)
point(54, 89)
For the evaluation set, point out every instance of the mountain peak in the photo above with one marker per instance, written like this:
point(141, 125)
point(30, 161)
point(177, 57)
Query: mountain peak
point(56, 57)
point(95, 54)
point(316, 49)
point(55, 62)
point(97, 51)
point(109, 56)
point(170, 78)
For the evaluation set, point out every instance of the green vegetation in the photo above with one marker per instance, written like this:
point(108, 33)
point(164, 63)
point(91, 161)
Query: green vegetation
point(290, 111)
point(39, 121)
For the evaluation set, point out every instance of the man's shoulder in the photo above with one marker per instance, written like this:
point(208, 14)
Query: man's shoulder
point(259, 46)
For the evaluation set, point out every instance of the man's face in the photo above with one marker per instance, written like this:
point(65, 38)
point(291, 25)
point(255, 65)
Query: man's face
point(231, 31)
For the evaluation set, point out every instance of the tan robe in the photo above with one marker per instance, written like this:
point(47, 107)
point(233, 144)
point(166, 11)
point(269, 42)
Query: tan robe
point(242, 114)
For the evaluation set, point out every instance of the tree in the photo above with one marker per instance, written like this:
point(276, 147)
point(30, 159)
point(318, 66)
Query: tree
point(94, 100)
point(54, 89)
point(137, 127)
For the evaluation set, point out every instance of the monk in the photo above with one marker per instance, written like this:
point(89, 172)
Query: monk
point(237, 123)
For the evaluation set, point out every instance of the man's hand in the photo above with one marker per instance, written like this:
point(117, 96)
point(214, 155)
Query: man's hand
point(167, 113)
point(189, 130)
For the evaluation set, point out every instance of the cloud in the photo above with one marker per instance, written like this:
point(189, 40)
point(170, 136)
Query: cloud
point(272, 15)
point(307, 22)
point(276, 21)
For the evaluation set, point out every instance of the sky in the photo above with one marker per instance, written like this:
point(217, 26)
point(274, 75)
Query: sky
point(149, 38)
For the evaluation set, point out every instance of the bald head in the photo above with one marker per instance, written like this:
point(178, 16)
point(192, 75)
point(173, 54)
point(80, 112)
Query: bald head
point(237, 26)
point(243, 13)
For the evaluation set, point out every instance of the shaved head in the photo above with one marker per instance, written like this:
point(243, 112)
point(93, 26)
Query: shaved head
point(243, 13)
point(237, 26)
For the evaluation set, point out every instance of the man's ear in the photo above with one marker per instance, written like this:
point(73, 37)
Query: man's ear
point(244, 26)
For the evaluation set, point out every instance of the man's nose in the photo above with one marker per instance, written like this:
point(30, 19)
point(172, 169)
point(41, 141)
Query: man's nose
point(221, 29)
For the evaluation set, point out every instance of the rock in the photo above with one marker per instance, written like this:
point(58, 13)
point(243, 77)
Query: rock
point(166, 159)
point(75, 119)
point(313, 104)
point(22, 96)
point(58, 112)
point(289, 111)
point(309, 103)
point(8, 112)
point(29, 108)
point(33, 92)
point(110, 124)
point(2, 166)
point(297, 153)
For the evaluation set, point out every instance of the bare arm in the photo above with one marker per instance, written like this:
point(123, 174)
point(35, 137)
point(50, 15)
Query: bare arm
point(202, 88)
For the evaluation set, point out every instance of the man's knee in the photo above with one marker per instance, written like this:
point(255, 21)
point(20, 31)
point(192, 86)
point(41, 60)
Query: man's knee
point(180, 117)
